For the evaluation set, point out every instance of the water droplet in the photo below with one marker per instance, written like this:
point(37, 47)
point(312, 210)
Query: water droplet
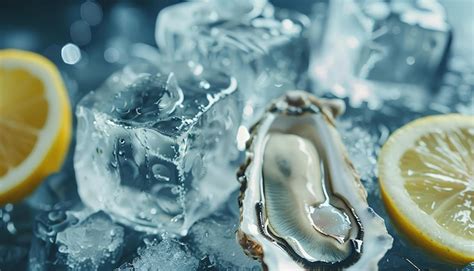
point(167, 198)
point(71, 54)
point(62, 249)
point(142, 215)
point(204, 84)
point(91, 12)
point(57, 216)
point(410, 60)
point(9, 207)
point(175, 190)
point(162, 173)
point(11, 228)
point(113, 164)
point(177, 218)
point(112, 55)
point(80, 32)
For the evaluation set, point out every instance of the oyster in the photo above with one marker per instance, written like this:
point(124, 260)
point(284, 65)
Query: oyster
point(302, 204)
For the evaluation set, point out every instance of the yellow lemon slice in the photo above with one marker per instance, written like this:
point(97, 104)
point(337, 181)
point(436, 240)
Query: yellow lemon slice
point(35, 122)
point(426, 175)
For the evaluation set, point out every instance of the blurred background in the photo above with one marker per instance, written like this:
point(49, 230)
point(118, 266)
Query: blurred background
point(88, 40)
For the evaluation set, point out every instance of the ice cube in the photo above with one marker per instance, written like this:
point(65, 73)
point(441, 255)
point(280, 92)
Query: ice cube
point(75, 240)
point(58, 187)
point(155, 145)
point(374, 51)
point(168, 254)
point(265, 52)
point(413, 39)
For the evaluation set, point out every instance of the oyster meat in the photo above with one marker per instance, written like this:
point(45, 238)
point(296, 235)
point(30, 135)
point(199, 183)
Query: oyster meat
point(302, 204)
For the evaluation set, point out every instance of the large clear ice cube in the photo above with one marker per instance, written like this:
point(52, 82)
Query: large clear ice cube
point(155, 146)
point(371, 51)
point(265, 50)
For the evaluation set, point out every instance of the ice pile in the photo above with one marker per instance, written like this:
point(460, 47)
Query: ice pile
point(263, 47)
point(361, 147)
point(168, 254)
point(373, 51)
point(210, 245)
point(76, 239)
point(214, 238)
point(155, 145)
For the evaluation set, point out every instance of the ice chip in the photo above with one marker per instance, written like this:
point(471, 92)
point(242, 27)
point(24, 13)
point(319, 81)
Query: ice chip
point(92, 242)
point(265, 52)
point(155, 146)
point(75, 239)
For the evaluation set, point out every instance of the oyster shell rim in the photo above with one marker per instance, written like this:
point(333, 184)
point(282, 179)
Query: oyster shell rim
point(298, 103)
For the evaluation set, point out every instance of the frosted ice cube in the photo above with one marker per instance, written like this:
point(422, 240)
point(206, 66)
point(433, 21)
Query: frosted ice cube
point(75, 240)
point(374, 51)
point(168, 254)
point(265, 53)
point(155, 147)
point(409, 42)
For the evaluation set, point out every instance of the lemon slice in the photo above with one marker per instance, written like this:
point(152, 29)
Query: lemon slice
point(426, 175)
point(35, 122)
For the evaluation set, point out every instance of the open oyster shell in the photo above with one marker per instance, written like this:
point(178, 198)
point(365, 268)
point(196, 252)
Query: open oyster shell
point(302, 204)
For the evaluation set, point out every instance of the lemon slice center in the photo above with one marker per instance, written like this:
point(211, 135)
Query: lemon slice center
point(23, 113)
point(439, 177)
